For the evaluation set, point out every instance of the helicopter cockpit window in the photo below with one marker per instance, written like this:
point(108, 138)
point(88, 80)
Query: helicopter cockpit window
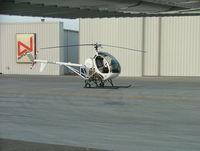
point(100, 64)
point(113, 63)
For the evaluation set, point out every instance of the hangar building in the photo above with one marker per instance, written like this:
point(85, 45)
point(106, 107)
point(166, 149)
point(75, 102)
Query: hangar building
point(16, 38)
point(172, 44)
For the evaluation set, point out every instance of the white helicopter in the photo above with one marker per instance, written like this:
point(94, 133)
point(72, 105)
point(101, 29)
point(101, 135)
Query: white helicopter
point(97, 70)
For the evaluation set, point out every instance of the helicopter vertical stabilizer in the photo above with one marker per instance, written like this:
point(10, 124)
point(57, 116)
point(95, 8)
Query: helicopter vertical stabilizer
point(30, 56)
point(42, 66)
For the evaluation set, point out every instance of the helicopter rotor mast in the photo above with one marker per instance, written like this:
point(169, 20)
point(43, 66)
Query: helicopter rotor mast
point(96, 46)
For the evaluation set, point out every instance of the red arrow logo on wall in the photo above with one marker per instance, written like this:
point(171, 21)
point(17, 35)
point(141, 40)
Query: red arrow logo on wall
point(27, 48)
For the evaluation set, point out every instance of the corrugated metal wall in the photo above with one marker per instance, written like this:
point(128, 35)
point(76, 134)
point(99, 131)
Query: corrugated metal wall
point(172, 44)
point(151, 45)
point(47, 34)
point(180, 46)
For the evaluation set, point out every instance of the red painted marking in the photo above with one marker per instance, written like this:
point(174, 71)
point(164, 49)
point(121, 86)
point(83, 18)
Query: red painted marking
point(27, 48)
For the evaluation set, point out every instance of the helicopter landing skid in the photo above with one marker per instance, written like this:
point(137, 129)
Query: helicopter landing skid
point(109, 87)
point(98, 83)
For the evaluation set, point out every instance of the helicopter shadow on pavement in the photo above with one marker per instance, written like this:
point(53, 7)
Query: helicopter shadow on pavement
point(111, 87)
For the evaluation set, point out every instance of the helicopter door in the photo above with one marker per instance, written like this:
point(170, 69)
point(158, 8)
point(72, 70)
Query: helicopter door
point(100, 64)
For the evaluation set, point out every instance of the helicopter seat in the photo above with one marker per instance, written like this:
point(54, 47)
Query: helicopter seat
point(105, 70)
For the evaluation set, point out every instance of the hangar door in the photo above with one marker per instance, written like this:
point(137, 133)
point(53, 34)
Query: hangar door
point(172, 45)
point(180, 46)
point(70, 53)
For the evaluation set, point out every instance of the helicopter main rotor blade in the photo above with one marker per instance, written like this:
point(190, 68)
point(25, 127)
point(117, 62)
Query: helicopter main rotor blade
point(68, 46)
point(124, 48)
point(96, 45)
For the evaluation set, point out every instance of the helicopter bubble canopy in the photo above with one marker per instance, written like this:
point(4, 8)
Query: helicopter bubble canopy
point(108, 61)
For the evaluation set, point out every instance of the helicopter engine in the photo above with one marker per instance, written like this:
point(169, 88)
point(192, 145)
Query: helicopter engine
point(89, 64)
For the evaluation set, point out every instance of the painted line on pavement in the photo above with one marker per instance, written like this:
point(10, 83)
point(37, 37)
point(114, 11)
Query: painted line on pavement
point(101, 95)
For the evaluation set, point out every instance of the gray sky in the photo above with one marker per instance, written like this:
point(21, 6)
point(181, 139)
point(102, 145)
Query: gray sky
point(71, 24)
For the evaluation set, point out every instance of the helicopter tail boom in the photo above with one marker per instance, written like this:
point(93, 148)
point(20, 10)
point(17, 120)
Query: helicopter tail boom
point(69, 65)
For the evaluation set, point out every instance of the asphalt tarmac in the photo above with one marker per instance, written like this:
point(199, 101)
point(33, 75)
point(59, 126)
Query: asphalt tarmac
point(56, 113)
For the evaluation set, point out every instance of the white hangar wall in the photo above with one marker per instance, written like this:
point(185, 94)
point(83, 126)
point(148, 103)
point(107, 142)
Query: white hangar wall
point(47, 34)
point(171, 44)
